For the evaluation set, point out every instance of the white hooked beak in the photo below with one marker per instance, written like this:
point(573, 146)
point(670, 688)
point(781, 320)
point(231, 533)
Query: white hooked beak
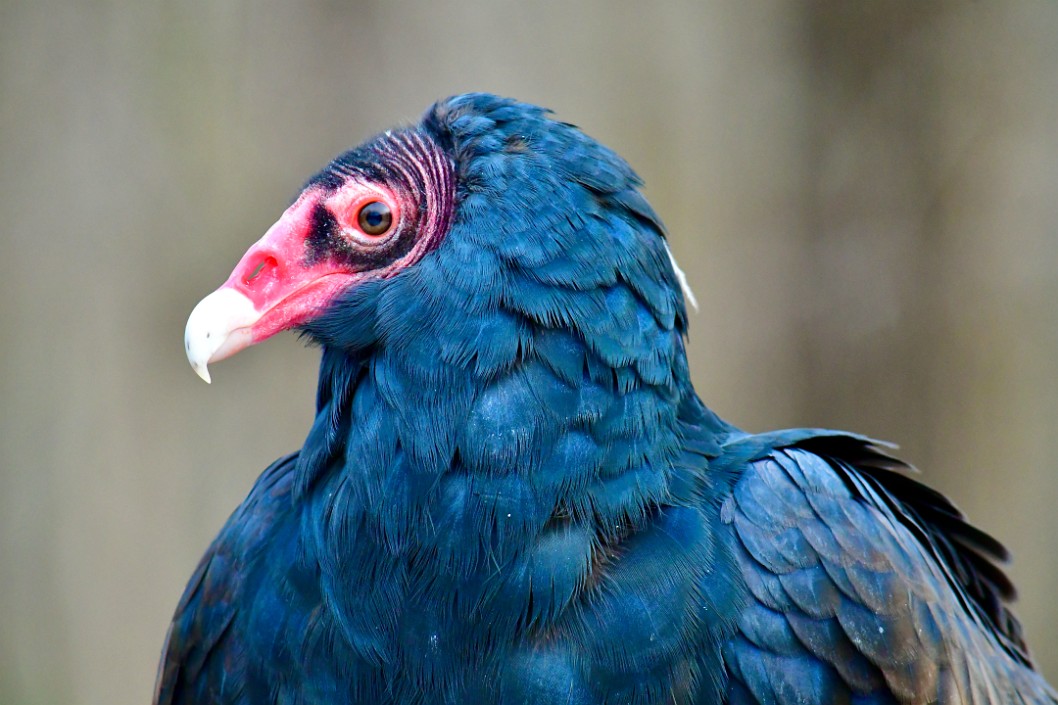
point(218, 327)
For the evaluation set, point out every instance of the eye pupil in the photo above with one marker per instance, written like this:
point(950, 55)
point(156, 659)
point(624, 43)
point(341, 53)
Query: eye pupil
point(375, 218)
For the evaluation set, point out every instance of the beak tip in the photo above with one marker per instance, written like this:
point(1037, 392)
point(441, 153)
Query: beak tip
point(203, 372)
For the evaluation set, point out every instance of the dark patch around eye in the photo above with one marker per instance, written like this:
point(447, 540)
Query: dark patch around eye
point(323, 236)
point(326, 241)
point(414, 166)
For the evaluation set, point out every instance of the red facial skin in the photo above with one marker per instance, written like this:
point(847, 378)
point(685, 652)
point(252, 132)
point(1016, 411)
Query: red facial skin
point(317, 249)
point(288, 286)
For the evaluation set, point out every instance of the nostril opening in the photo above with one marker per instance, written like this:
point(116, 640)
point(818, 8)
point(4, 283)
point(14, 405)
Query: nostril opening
point(263, 267)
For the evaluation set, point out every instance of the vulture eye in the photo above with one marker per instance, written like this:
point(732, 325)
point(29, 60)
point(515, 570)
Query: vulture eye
point(374, 218)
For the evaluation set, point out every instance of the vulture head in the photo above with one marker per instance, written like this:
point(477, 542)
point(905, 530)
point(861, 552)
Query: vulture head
point(465, 238)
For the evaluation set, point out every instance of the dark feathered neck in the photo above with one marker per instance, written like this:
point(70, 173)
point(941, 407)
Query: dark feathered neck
point(524, 418)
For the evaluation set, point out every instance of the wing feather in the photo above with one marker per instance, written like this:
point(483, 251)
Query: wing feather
point(865, 586)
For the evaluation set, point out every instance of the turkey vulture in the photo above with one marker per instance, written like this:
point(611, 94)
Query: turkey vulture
point(510, 492)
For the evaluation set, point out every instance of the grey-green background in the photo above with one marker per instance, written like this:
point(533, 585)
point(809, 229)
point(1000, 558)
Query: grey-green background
point(864, 196)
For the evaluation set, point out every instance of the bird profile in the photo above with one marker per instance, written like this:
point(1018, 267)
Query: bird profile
point(510, 491)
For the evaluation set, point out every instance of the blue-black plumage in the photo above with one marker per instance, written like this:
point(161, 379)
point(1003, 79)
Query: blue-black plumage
point(511, 493)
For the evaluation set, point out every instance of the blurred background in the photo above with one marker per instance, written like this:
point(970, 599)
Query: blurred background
point(864, 196)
